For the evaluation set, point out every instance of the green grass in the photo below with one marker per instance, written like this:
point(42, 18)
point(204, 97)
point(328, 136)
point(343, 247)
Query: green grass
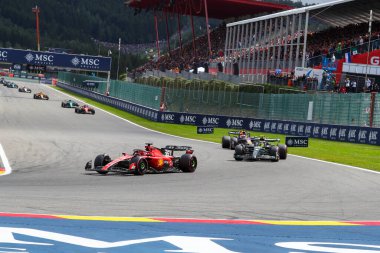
point(360, 155)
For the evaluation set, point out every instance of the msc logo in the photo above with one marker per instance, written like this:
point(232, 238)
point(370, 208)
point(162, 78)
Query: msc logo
point(352, 134)
point(234, 123)
point(188, 119)
point(375, 60)
point(333, 132)
point(167, 117)
point(308, 130)
point(325, 131)
point(362, 135)
point(372, 136)
point(293, 141)
point(3, 54)
point(316, 130)
point(266, 125)
point(255, 124)
point(342, 133)
point(39, 57)
point(301, 128)
point(210, 121)
point(85, 61)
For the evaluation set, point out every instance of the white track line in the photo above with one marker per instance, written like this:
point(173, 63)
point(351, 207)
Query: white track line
point(313, 159)
point(3, 157)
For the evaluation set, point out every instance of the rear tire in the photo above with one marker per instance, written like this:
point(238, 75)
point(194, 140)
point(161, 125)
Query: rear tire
point(226, 142)
point(188, 163)
point(102, 160)
point(283, 151)
point(141, 165)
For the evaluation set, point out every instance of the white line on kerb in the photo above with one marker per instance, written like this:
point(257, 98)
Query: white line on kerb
point(3, 157)
point(312, 159)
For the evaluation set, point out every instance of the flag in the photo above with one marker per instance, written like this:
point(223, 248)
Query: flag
point(354, 51)
point(347, 56)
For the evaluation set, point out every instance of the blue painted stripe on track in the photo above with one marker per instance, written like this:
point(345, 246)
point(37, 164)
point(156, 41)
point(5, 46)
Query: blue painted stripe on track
point(238, 238)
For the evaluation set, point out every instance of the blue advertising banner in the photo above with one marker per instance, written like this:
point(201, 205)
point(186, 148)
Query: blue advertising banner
point(42, 58)
point(205, 130)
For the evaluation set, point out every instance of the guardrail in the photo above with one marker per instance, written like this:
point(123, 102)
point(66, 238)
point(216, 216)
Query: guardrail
point(353, 134)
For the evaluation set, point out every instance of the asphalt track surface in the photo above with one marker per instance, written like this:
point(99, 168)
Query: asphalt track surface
point(47, 147)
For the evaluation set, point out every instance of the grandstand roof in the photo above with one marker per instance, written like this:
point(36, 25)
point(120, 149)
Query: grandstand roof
point(337, 13)
point(218, 9)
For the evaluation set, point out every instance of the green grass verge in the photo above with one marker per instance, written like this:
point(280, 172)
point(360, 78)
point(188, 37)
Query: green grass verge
point(360, 155)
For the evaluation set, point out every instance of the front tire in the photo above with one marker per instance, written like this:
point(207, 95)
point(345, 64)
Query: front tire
point(102, 160)
point(234, 142)
point(274, 152)
point(141, 165)
point(188, 163)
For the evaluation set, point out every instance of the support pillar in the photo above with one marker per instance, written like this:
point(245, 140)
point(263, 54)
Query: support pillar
point(157, 36)
point(208, 29)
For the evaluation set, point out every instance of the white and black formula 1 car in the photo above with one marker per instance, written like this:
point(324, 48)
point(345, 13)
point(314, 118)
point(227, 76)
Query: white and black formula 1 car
point(24, 89)
point(261, 148)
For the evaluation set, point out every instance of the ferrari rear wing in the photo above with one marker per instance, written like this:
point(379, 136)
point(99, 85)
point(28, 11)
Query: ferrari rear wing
point(178, 148)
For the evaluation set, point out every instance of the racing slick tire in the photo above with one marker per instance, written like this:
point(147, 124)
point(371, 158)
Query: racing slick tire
point(102, 160)
point(34, 96)
point(283, 151)
point(234, 142)
point(239, 152)
point(226, 142)
point(141, 165)
point(47, 98)
point(274, 151)
point(62, 104)
point(188, 163)
point(93, 112)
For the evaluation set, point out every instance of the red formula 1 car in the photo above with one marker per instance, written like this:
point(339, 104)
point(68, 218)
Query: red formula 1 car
point(85, 109)
point(149, 160)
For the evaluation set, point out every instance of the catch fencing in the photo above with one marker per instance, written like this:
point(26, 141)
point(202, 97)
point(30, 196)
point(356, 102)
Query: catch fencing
point(344, 133)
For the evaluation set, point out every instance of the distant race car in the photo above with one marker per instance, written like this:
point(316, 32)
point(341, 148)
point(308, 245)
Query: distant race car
point(261, 148)
point(41, 95)
point(235, 137)
point(25, 89)
point(69, 104)
point(149, 160)
point(12, 85)
point(85, 109)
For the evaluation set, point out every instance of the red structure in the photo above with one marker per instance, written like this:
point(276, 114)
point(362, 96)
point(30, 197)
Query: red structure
point(36, 10)
point(217, 9)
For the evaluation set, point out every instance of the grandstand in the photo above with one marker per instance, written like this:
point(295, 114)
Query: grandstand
point(258, 49)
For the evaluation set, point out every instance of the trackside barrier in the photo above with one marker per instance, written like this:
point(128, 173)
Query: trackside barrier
point(352, 134)
point(142, 111)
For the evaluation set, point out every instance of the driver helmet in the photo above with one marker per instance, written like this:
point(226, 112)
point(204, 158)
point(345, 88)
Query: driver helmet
point(148, 147)
point(242, 134)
